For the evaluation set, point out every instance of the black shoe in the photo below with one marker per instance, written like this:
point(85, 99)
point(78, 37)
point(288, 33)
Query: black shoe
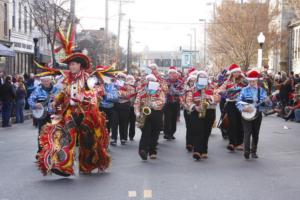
point(152, 156)
point(189, 148)
point(254, 155)
point(143, 154)
point(247, 156)
point(123, 142)
point(173, 137)
point(196, 156)
point(167, 137)
point(113, 143)
point(230, 147)
point(131, 139)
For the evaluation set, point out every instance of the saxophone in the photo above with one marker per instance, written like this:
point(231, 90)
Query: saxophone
point(145, 111)
point(202, 106)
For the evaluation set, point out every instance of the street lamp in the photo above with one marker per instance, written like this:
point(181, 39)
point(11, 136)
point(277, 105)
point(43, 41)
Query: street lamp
point(191, 43)
point(36, 35)
point(204, 48)
point(261, 40)
point(195, 46)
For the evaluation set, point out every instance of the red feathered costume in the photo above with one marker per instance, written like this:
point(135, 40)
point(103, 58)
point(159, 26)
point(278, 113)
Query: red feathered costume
point(78, 121)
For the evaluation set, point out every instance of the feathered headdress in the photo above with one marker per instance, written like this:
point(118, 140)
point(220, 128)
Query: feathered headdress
point(108, 71)
point(67, 41)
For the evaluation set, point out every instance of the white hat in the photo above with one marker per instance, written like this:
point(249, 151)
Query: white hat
point(46, 77)
point(153, 66)
point(130, 80)
point(203, 73)
point(121, 74)
point(151, 77)
point(172, 69)
point(191, 77)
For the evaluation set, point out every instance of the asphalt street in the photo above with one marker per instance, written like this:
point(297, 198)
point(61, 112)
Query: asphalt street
point(173, 176)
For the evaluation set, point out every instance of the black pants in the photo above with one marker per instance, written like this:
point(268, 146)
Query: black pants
point(235, 130)
point(6, 113)
point(109, 112)
point(251, 128)
point(201, 130)
point(211, 115)
point(188, 125)
point(41, 123)
point(170, 119)
point(150, 132)
point(121, 121)
point(132, 120)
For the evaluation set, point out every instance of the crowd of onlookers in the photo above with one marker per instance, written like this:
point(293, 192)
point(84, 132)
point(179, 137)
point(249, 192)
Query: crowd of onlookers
point(14, 91)
point(284, 89)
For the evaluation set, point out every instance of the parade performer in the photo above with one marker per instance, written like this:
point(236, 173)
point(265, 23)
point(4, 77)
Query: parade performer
point(223, 122)
point(231, 88)
point(189, 87)
point(131, 81)
point(40, 102)
point(126, 92)
point(77, 118)
point(148, 110)
point(111, 96)
point(251, 99)
point(172, 107)
point(202, 118)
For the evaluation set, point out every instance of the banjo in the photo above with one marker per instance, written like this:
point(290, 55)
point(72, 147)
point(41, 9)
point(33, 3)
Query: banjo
point(41, 113)
point(250, 116)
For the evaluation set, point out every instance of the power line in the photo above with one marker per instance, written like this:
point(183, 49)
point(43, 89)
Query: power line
point(184, 23)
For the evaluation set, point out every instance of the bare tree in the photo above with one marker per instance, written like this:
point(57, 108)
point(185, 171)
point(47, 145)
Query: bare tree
point(295, 4)
point(233, 34)
point(48, 16)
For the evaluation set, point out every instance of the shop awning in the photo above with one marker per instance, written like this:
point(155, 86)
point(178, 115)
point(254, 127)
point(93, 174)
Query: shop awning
point(6, 52)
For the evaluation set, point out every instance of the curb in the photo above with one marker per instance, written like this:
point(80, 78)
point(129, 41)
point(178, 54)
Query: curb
point(27, 116)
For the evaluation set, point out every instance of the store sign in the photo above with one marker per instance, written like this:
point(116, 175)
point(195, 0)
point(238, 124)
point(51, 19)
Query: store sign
point(23, 46)
point(186, 58)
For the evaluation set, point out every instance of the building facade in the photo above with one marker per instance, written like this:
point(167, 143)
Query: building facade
point(163, 59)
point(16, 32)
point(4, 31)
point(295, 46)
point(279, 56)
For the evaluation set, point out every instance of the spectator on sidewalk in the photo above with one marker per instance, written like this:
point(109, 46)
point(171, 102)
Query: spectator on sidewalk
point(1, 83)
point(29, 83)
point(1, 78)
point(20, 100)
point(297, 79)
point(8, 95)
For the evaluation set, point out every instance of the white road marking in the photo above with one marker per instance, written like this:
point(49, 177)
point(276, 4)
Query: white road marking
point(131, 194)
point(147, 193)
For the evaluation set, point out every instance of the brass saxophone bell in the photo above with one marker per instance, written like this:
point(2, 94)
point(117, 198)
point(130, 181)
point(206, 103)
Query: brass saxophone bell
point(146, 111)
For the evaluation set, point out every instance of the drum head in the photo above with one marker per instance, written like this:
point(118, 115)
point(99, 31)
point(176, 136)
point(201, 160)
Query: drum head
point(249, 115)
point(38, 113)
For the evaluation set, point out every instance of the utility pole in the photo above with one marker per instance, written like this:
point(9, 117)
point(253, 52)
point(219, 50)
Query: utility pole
point(106, 43)
point(72, 10)
point(204, 43)
point(129, 48)
point(119, 30)
point(195, 45)
point(204, 46)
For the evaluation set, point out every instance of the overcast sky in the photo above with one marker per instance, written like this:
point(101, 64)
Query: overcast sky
point(176, 20)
